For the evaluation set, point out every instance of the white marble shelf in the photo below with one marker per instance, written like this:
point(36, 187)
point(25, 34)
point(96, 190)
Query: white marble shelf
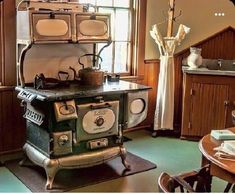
point(205, 71)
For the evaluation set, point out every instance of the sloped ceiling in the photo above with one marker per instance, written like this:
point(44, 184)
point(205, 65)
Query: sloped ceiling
point(199, 15)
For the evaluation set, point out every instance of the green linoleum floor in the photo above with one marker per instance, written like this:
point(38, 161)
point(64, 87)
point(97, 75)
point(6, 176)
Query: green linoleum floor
point(10, 183)
point(171, 155)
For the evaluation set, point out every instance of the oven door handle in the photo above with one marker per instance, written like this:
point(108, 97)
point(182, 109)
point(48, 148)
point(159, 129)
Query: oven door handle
point(106, 105)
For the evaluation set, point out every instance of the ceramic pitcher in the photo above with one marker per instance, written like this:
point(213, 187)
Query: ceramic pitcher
point(194, 60)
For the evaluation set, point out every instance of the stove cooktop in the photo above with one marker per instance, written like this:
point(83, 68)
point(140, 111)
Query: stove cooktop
point(74, 90)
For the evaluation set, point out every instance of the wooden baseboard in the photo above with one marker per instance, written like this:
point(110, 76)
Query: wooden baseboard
point(137, 128)
point(190, 138)
point(10, 155)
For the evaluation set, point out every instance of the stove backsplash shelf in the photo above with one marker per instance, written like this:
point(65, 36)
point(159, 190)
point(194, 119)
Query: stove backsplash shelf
point(57, 23)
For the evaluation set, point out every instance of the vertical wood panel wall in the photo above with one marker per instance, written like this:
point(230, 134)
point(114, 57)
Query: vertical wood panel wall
point(12, 125)
point(1, 43)
point(218, 46)
point(9, 38)
point(151, 74)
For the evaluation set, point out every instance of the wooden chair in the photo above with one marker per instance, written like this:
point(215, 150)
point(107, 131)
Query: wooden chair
point(194, 181)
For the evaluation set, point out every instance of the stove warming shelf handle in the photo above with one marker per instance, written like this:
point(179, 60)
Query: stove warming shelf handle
point(21, 63)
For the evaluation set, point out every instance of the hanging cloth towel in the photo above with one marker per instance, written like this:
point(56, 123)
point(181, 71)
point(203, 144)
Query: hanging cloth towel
point(164, 112)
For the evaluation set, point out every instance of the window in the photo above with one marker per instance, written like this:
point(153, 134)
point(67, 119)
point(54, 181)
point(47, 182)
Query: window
point(119, 57)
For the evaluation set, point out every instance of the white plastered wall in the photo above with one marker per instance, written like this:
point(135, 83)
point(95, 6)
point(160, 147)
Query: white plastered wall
point(50, 59)
point(199, 15)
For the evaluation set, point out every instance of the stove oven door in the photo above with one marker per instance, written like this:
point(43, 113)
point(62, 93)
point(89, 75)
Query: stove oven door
point(97, 120)
point(92, 27)
point(51, 26)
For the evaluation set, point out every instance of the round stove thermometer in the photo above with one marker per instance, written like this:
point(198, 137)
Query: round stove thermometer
point(97, 123)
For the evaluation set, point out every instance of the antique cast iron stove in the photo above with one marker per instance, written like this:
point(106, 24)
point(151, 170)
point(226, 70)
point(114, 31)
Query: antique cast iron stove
point(79, 126)
point(70, 124)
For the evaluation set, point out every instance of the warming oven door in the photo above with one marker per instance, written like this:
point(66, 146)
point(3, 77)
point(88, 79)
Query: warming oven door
point(93, 27)
point(51, 26)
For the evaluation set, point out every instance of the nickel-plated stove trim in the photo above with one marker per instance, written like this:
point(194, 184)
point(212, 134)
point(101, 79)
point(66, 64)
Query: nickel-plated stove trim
point(52, 166)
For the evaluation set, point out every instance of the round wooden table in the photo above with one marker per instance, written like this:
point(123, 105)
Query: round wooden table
point(221, 168)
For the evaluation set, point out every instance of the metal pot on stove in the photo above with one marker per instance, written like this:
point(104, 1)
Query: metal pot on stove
point(90, 76)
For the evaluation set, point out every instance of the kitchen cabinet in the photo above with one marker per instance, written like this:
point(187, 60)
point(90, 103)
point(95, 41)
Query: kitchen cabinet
point(208, 101)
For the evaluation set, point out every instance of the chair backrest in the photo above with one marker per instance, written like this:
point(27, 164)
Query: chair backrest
point(194, 181)
point(165, 185)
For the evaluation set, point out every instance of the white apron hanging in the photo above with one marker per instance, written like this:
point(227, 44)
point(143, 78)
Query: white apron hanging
point(164, 113)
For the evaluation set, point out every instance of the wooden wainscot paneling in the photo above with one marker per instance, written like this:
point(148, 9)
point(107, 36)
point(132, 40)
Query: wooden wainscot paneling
point(12, 125)
point(221, 45)
point(8, 42)
point(151, 73)
point(1, 43)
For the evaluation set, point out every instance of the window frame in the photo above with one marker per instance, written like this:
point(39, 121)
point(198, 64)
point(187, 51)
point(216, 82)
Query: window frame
point(137, 34)
point(129, 40)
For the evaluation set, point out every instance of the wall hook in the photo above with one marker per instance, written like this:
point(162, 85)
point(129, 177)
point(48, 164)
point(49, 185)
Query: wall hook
point(180, 13)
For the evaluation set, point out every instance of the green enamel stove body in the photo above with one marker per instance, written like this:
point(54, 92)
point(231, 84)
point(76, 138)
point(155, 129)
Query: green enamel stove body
point(79, 119)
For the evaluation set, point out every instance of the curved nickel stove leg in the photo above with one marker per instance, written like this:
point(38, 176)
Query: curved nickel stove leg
point(51, 167)
point(26, 162)
point(123, 157)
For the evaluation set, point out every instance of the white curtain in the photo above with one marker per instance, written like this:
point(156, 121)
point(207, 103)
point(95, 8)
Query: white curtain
point(164, 113)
